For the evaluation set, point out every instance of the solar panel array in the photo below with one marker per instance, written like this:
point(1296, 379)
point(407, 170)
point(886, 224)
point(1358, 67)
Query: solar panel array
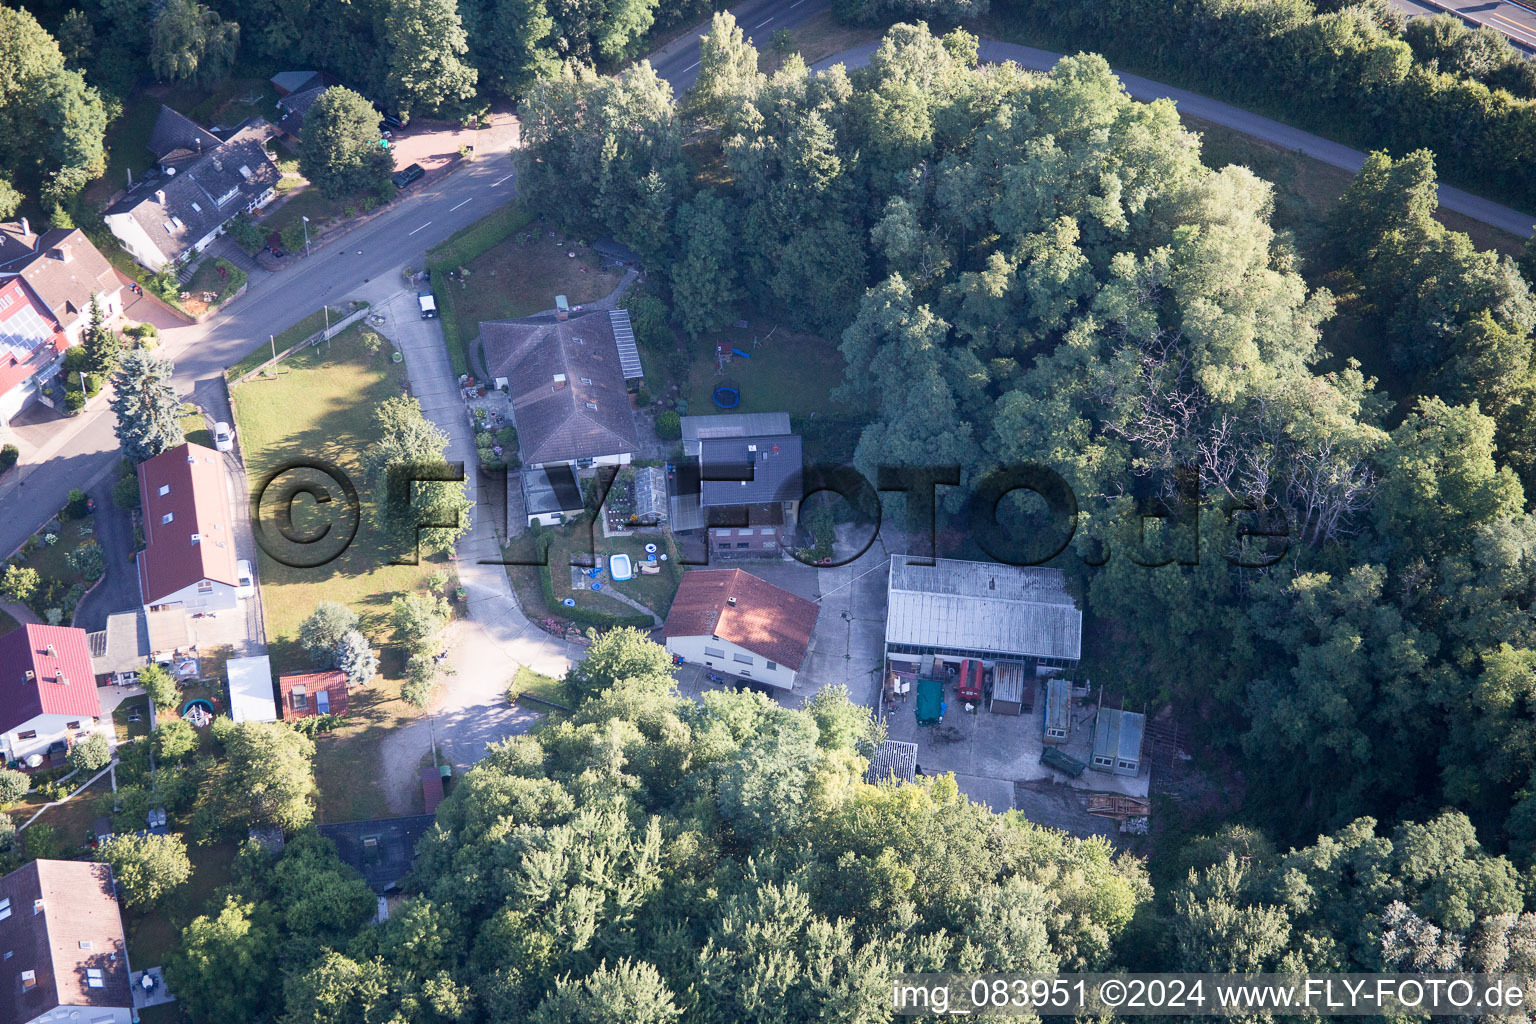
point(624, 337)
point(23, 331)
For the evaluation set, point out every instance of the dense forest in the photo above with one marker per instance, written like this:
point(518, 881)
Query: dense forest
point(1052, 276)
point(655, 858)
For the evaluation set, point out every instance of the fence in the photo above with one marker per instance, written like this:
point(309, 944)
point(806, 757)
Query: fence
point(314, 339)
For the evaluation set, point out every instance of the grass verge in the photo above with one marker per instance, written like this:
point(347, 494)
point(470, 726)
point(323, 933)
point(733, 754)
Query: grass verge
point(457, 250)
point(292, 336)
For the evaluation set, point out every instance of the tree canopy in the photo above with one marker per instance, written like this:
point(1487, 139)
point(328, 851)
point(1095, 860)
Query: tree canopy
point(340, 151)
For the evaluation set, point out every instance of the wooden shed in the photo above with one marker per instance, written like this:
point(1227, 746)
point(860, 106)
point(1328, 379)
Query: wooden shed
point(1012, 692)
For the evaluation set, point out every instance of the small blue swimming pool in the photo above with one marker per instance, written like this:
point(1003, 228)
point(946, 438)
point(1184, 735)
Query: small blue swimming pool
point(619, 568)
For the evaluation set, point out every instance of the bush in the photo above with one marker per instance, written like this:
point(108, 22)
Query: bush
point(246, 234)
point(125, 493)
point(642, 398)
point(88, 562)
point(669, 426)
point(90, 754)
point(160, 686)
point(13, 786)
point(175, 740)
point(292, 236)
point(74, 401)
point(421, 678)
point(75, 506)
point(9, 456)
point(147, 867)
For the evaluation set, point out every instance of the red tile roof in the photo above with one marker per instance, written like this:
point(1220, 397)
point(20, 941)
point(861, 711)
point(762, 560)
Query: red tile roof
point(15, 367)
point(197, 499)
point(63, 923)
point(27, 650)
point(334, 683)
point(766, 620)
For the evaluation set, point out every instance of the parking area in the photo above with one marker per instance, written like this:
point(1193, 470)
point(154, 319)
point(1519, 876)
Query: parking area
point(435, 144)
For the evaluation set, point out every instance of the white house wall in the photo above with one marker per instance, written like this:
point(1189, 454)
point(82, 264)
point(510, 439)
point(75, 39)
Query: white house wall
point(49, 728)
point(136, 240)
point(85, 1015)
point(222, 597)
point(693, 649)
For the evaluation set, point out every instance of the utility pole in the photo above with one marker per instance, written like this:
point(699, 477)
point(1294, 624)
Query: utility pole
point(306, 233)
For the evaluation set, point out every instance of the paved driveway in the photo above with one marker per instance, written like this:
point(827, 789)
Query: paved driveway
point(493, 638)
point(118, 590)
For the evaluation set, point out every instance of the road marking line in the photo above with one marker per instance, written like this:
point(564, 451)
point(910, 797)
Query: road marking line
point(762, 23)
point(690, 67)
point(418, 229)
point(1518, 27)
point(797, 3)
point(498, 181)
point(452, 208)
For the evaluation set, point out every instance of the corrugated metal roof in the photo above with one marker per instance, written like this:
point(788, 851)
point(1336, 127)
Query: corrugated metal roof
point(624, 338)
point(1118, 733)
point(983, 606)
point(893, 759)
point(1008, 684)
point(1058, 704)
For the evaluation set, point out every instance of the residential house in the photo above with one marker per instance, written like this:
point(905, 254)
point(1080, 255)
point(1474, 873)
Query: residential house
point(65, 272)
point(250, 689)
point(65, 950)
point(47, 690)
point(382, 849)
point(568, 382)
point(940, 615)
point(188, 561)
point(293, 103)
point(32, 345)
point(742, 481)
point(735, 623)
point(313, 693)
point(202, 183)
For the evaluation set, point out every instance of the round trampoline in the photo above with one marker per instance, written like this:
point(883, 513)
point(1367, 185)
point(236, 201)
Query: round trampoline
point(727, 397)
point(199, 702)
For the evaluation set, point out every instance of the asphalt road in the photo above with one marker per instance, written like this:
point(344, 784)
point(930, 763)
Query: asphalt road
point(334, 273)
point(86, 450)
point(678, 63)
point(1516, 21)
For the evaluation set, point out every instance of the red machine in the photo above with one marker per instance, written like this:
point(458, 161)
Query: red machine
point(969, 685)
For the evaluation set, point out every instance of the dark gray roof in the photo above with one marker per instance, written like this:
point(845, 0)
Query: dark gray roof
point(731, 424)
point(569, 400)
point(123, 646)
point(177, 139)
point(381, 849)
point(204, 194)
point(296, 108)
point(287, 82)
point(775, 466)
point(893, 759)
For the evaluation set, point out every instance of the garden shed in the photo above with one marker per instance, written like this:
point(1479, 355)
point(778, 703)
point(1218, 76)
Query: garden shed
point(651, 495)
point(1012, 692)
point(250, 689)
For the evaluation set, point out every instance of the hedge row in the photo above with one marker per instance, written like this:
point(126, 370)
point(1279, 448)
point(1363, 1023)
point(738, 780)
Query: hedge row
point(1337, 72)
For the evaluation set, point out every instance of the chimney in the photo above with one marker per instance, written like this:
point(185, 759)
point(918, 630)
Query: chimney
point(559, 381)
point(60, 253)
point(52, 651)
point(731, 601)
point(61, 678)
point(26, 229)
point(160, 196)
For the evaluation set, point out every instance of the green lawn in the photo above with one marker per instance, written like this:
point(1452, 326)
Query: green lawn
point(195, 426)
point(347, 760)
point(292, 336)
point(321, 405)
point(787, 372)
point(125, 729)
point(153, 933)
point(570, 543)
point(536, 684)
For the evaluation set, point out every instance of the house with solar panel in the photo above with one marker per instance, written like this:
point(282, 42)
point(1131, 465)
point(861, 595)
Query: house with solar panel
point(568, 379)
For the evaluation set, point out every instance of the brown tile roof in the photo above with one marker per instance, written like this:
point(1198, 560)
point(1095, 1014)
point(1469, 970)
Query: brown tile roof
point(333, 683)
point(46, 652)
point(63, 924)
point(766, 620)
point(569, 399)
point(65, 271)
point(197, 499)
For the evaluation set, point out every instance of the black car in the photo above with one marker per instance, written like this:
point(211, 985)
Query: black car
point(406, 177)
point(391, 121)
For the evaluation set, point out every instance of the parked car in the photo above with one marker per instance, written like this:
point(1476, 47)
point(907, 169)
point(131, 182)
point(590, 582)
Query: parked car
point(391, 121)
point(245, 582)
point(411, 174)
point(428, 303)
point(223, 437)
